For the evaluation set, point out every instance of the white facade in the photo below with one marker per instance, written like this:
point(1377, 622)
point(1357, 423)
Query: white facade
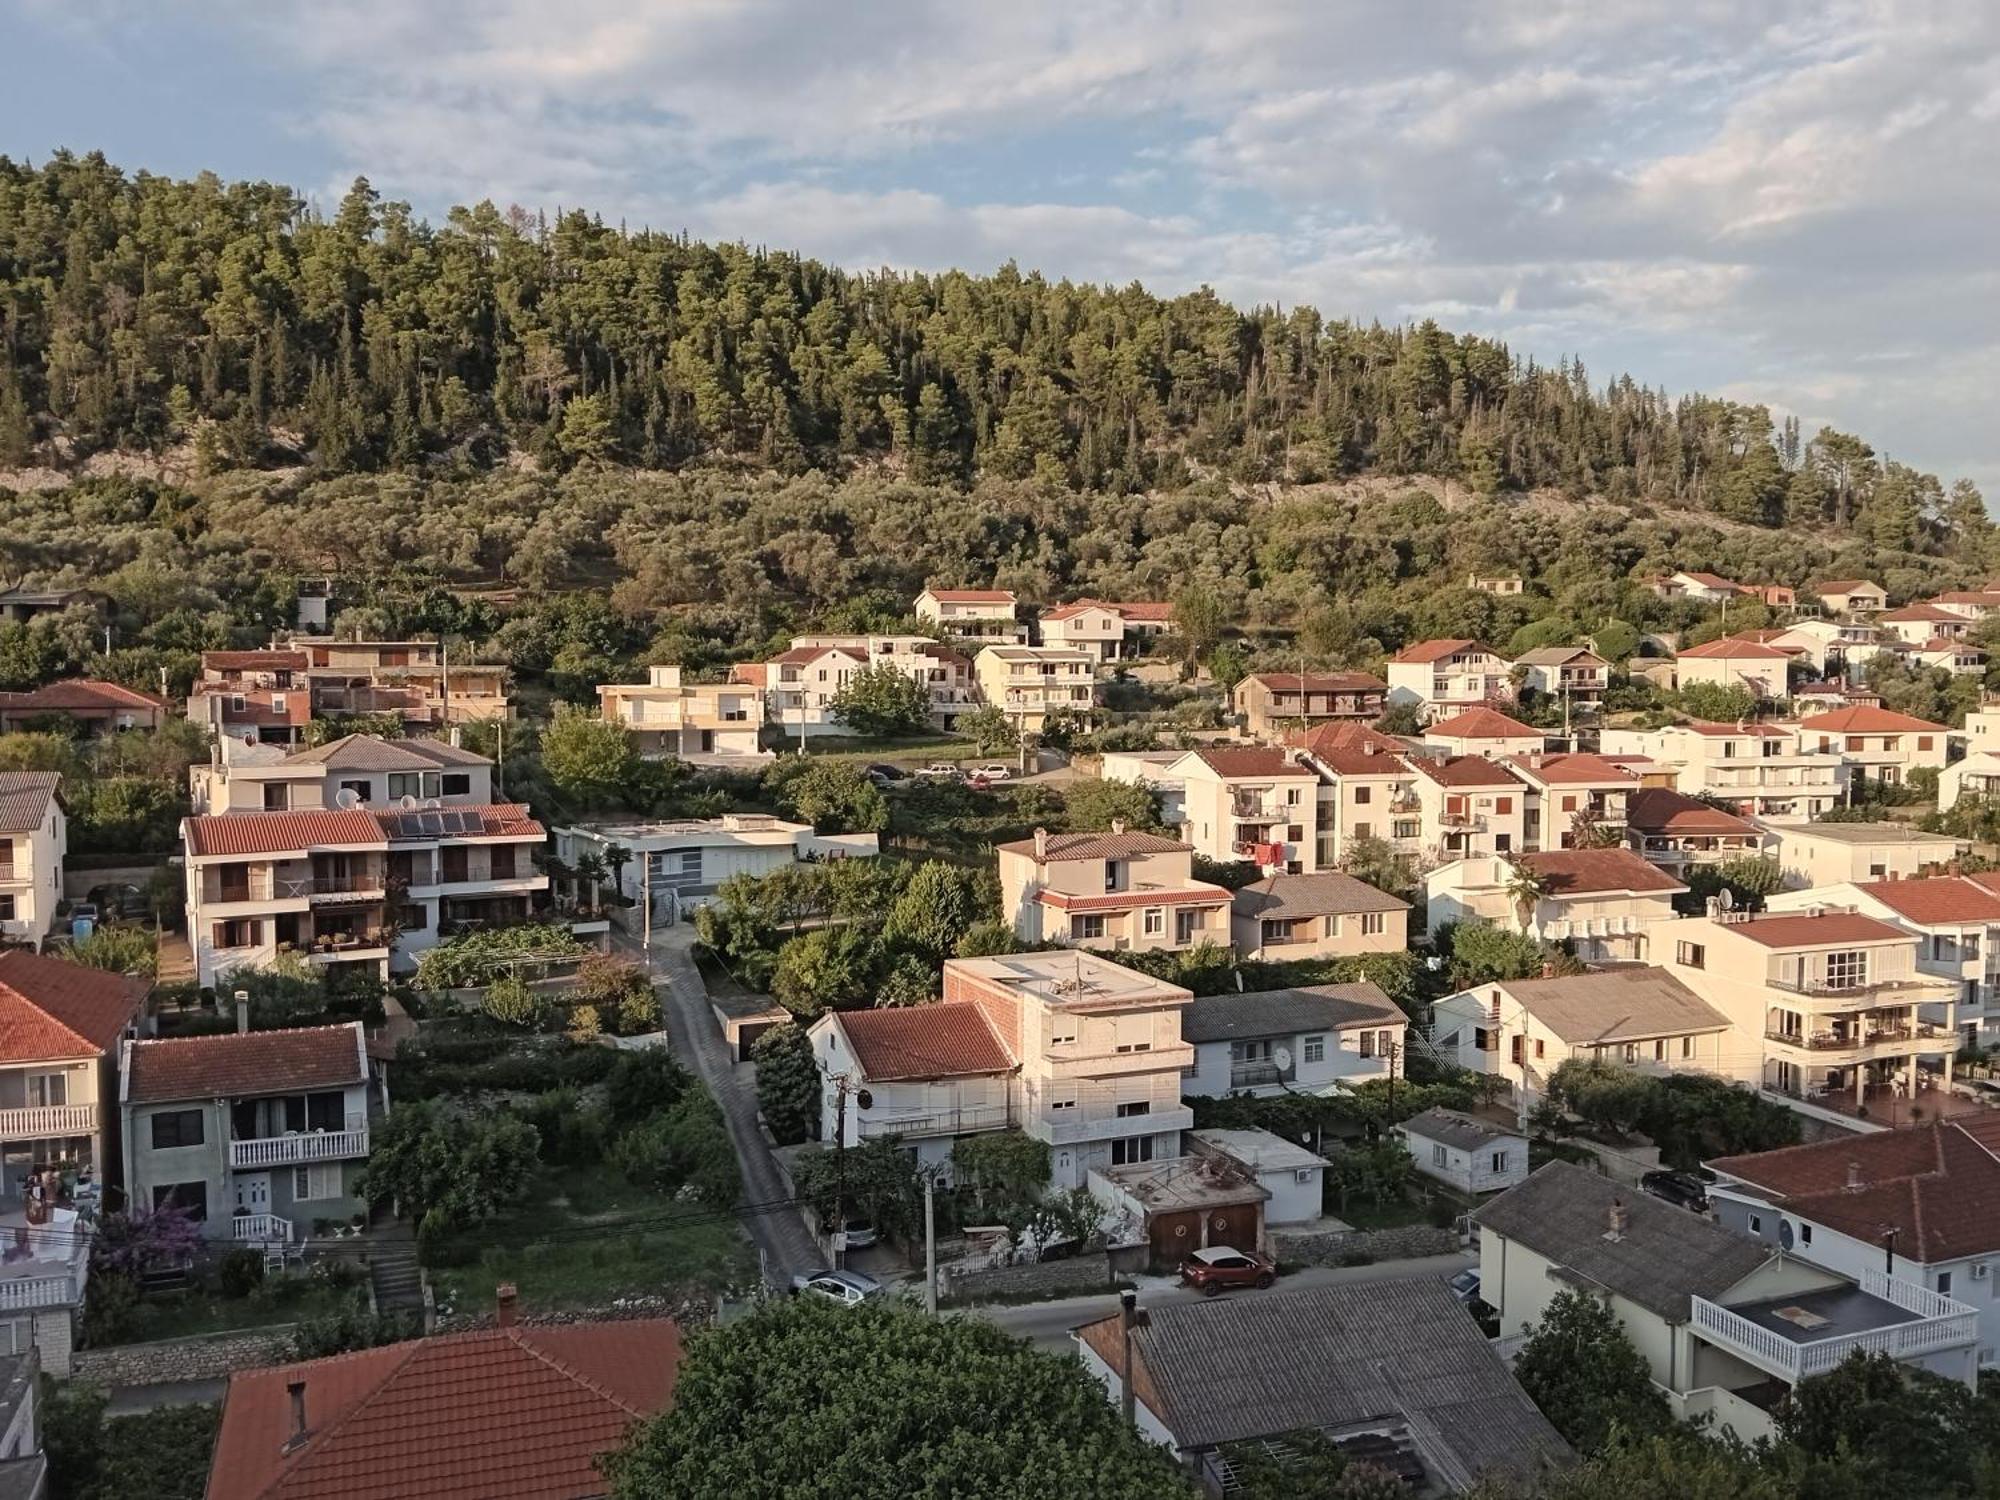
point(31, 878)
point(1822, 854)
point(684, 861)
point(1255, 804)
point(690, 721)
point(1760, 769)
point(1445, 675)
point(1466, 1154)
point(1028, 683)
point(972, 614)
point(801, 684)
point(1292, 1175)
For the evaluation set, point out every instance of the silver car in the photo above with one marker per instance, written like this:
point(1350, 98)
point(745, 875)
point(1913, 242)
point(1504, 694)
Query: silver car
point(847, 1288)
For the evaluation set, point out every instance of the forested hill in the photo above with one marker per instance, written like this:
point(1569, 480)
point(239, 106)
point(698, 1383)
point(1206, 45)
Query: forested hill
point(138, 312)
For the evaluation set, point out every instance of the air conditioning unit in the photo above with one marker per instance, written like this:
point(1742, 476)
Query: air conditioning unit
point(1979, 1270)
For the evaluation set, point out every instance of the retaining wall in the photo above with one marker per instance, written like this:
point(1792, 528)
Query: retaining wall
point(208, 1356)
point(1328, 1247)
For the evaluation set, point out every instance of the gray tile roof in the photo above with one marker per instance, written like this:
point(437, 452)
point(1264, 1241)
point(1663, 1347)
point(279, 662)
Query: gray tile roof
point(1320, 1007)
point(1247, 1367)
point(1325, 894)
point(1616, 1005)
point(24, 799)
point(367, 752)
point(1454, 1129)
point(1665, 1256)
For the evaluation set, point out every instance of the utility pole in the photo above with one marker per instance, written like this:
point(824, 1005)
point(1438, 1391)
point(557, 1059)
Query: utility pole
point(1128, 1314)
point(646, 898)
point(500, 757)
point(930, 1245)
point(838, 1235)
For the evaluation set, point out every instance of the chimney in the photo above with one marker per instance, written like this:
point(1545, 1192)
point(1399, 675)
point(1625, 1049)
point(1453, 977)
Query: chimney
point(242, 1011)
point(1617, 1217)
point(1041, 843)
point(506, 1304)
point(1854, 1182)
point(1117, 825)
point(1548, 969)
point(297, 1391)
point(453, 736)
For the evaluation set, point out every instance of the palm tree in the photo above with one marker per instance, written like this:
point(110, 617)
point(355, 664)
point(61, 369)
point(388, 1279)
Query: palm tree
point(616, 858)
point(1526, 890)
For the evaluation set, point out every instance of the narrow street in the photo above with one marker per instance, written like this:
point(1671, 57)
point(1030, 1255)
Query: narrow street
point(778, 1232)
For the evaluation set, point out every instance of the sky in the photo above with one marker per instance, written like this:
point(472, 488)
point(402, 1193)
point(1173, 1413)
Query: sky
point(1796, 204)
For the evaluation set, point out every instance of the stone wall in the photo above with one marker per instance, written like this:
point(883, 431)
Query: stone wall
point(1330, 1247)
point(209, 1356)
point(1047, 1278)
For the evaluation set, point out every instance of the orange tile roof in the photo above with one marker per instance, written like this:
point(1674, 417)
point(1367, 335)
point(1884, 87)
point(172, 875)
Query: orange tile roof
point(1573, 769)
point(1194, 893)
point(1251, 760)
point(279, 832)
point(1482, 724)
point(1320, 682)
point(235, 1064)
point(254, 661)
point(1733, 650)
point(520, 1412)
point(497, 820)
point(1659, 809)
point(1804, 930)
point(1863, 720)
point(1422, 651)
point(1937, 900)
point(1587, 872)
point(51, 1009)
point(1321, 739)
point(972, 596)
point(948, 1040)
point(1463, 771)
point(79, 693)
point(1920, 612)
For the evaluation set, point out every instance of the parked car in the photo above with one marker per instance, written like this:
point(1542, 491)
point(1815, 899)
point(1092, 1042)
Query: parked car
point(848, 1288)
point(1218, 1268)
point(1465, 1286)
point(860, 1234)
point(884, 774)
point(940, 770)
point(994, 772)
point(1683, 1189)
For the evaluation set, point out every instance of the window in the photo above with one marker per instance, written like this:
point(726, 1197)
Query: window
point(1362, 794)
point(1113, 874)
point(1062, 1096)
point(1499, 1161)
point(1385, 1043)
point(1687, 1046)
point(405, 784)
point(1155, 920)
point(1373, 923)
point(1305, 1175)
point(1090, 926)
point(1944, 1283)
point(1408, 828)
point(192, 1196)
point(457, 784)
point(1631, 1052)
point(1132, 1109)
point(277, 797)
point(1691, 955)
point(1133, 1033)
point(1502, 842)
point(1291, 796)
point(1503, 804)
point(1514, 1050)
point(1314, 1050)
point(1923, 742)
point(6, 908)
point(1186, 925)
point(1437, 1155)
point(1569, 804)
point(1137, 1149)
point(363, 789)
point(315, 1183)
point(177, 1127)
point(46, 1089)
point(243, 933)
point(1756, 1224)
point(1847, 969)
point(1364, 830)
point(1062, 1030)
point(1367, 1044)
point(1660, 1050)
point(1805, 1234)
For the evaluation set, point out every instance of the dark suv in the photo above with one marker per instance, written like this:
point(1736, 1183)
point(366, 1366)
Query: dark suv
point(1682, 1189)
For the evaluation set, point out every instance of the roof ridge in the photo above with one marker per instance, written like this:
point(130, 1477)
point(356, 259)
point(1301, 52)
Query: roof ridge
point(314, 1441)
point(85, 1047)
point(518, 1335)
point(223, 1036)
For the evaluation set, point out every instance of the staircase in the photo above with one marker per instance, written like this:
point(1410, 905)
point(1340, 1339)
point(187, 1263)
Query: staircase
point(392, 1266)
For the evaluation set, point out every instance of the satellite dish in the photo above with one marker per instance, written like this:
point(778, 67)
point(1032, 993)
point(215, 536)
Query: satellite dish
point(1282, 1056)
point(250, 738)
point(406, 802)
point(433, 802)
point(348, 797)
point(1785, 1233)
point(865, 1099)
point(1726, 901)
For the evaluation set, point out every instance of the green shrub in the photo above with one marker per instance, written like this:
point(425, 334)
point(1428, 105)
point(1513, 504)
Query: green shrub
point(510, 1001)
point(240, 1272)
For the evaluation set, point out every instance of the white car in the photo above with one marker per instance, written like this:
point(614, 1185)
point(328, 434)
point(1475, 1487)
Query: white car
point(846, 1288)
point(940, 770)
point(994, 772)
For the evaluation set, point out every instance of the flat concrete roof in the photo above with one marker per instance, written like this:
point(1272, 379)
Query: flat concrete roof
point(1831, 1312)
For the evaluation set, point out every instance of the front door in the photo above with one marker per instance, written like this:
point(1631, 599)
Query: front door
point(253, 1193)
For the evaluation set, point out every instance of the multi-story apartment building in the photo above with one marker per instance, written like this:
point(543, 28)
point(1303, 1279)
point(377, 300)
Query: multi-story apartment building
point(1760, 670)
point(1468, 806)
point(361, 851)
point(1366, 791)
point(1256, 803)
point(1820, 854)
point(1271, 702)
point(1675, 831)
point(83, 707)
point(1575, 673)
point(801, 684)
point(1605, 903)
point(1834, 1002)
point(260, 1135)
point(1874, 744)
point(1028, 683)
point(1440, 676)
point(696, 721)
point(1073, 1049)
point(1483, 731)
point(34, 841)
point(1111, 629)
point(416, 679)
point(1572, 798)
point(1850, 596)
point(1760, 769)
point(1118, 890)
point(1956, 921)
point(257, 696)
point(973, 614)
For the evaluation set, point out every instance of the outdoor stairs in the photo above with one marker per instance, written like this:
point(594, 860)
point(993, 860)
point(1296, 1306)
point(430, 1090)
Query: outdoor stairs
point(392, 1267)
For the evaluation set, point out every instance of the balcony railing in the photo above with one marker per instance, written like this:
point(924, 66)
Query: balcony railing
point(1892, 984)
point(939, 1122)
point(21, 1292)
point(1827, 1041)
point(1251, 1075)
point(37, 1121)
point(1940, 1323)
point(293, 1150)
point(258, 1229)
point(1060, 1131)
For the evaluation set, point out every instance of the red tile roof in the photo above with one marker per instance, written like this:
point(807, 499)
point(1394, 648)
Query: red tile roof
point(1920, 612)
point(1576, 769)
point(1733, 650)
point(1937, 1185)
point(496, 820)
point(1987, 597)
point(1482, 724)
point(1073, 846)
point(1194, 893)
point(1362, 762)
point(948, 1040)
point(1588, 872)
point(1863, 720)
point(1463, 771)
point(1422, 651)
point(254, 661)
point(522, 1412)
point(51, 1009)
point(279, 832)
point(1320, 682)
point(1804, 930)
point(972, 596)
point(235, 1064)
point(82, 693)
point(1938, 900)
point(1659, 809)
point(1323, 739)
point(1251, 760)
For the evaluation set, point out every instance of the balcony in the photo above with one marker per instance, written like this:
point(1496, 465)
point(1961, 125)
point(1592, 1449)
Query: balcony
point(1122, 1064)
point(1058, 1131)
point(1894, 1040)
point(37, 1122)
point(296, 1150)
point(937, 1122)
point(1256, 1075)
point(260, 1229)
point(1913, 989)
point(1255, 810)
point(1809, 1333)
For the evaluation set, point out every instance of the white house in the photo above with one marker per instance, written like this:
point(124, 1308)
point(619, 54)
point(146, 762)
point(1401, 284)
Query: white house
point(34, 839)
point(1976, 776)
point(1759, 769)
point(1440, 676)
point(1874, 744)
point(927, 1075)
point(1484, 731)
point(684, 861)
point(1292, 1175)
point(1109, 629)
point(1823, 854)
point(1704, 588)
point(687, 720)
point(973, 614)
point(1575, 673)
point(1760, 670)
point(1465, 1152)
point(1312, 1040)
point(1603, 902)
point(1917, 623)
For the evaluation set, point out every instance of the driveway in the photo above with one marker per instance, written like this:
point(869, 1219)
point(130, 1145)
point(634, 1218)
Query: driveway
point(777, 1230)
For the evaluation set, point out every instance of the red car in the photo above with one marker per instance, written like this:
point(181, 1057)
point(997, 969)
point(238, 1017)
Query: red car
point(1218, 1268)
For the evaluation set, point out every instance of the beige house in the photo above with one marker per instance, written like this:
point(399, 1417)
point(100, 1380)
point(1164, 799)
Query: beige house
point(1028, 683)
point(1469, 806)
point(1760, 670)
point(1875, 744)
point(1820, 854)
point(1576, 673)
point(1116, 890)
point(1572, 792)
point(1366, 791)
point(800, 685)
point(34, 841)
point(1440, 676)
point(1604, 902)
point(1271, 701)
point(1484, 731)
point(416, 679)
point(1254, 802)
point(1842, 645)
point(1675, 831)
point(1850, 596)
point(1760, 769)
point(1109, 629)
point(973, 614)
point(686, 721)
point(1704, 588)
point(1323, 915)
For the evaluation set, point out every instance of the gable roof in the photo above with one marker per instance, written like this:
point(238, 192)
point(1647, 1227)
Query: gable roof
point(1805, 930)
point(1329, 1007)
point(1921, 612)
point(951, 1039)
point(484, 820)
point(1482, 724)
point(369, 752)
point(1556, 656)
point(280, 832)
point(1865, 720)
point(1327, 893)
point(1319, 682)
point(1731, 649)
point(1936, 1185)
point(24, 799)
point(79, 693)
point(1455, 1128)
point(1841, 586)
point(1463, 771)
point(1660, 809)
point(237, 1064)
point(1584, 872)
point(972, 596)
point(522, 1412)
point(1229, 1369)
point(52, 1009)
point(1711, 580)
point(1615, 1005)
point(1250, 760)
point(1665, 1256)
point(1422, 651)
point(1573, 768)
point(1063, 847)
point(800, 655)
point(1937, 900)
point(1343, 736)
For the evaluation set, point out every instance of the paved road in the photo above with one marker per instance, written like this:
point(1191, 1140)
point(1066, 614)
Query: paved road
point(692, 1033)
point(1047, 1324)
